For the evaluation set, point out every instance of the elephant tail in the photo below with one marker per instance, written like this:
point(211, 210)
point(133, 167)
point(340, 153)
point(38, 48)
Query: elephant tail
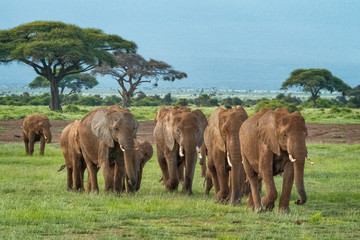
point(61, 168)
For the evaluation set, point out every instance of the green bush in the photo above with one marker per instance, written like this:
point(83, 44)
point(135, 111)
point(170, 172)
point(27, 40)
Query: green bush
point(274, 104)
point(181, 102)
point(149, 101)
point(71, 108)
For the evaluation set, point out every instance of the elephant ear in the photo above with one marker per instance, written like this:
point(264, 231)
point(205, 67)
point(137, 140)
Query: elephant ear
point(168, 136)
point(147, 151)
point(100, 127)
point(213, 137)
point(267, 131)
point(76, 139)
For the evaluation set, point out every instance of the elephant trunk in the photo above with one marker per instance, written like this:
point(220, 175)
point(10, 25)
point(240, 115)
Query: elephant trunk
point(190, 163)
point(130, 167)
point(237, 175)
point(297, 153)
point(47, 135)
point(299, 181)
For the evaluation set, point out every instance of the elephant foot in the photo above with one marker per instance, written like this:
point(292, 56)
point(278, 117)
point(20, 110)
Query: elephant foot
point(284, 210)
point(221, 199)
point(266, 205)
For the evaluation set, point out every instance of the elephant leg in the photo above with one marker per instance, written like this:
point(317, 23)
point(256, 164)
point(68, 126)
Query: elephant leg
point(203, 170)
point(26, 142)
point(31, 144)
point(250, 202)
point(213, 175)
point(181, 171)
point(190, 164)
point(69, 178)
point(288, 180)
point(83, 168)
point(119, 177)
point(42, 145)
point(163, 165)
point(254, 197)
point(266, 172)
point(77, 173)
point(209, 182)
point(223, 178)
point(173, 180)
point(92, 185)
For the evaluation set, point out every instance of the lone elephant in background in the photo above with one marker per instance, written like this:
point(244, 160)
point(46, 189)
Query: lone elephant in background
point(106, 137)
point(36, 127)
point(273, 142)
point(74, 161)
point(223, 148)
point(178, 136)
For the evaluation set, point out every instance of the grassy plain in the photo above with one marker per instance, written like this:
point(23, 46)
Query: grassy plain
point(313, 115)
point(34, 203)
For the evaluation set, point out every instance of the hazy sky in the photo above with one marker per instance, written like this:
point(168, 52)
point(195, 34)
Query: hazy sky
point(229, 44)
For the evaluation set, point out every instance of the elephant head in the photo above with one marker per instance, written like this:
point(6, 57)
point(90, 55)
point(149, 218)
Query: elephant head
point(285, 132)
point(118, 127)
point(186, 129)
point(42, 127)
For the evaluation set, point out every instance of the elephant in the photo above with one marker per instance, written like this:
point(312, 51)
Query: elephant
point(143, 154)
point(36, 127)
point(106, 137)
point(273, 142)
point(178, 135)
point(74, 161)
point(222, 142)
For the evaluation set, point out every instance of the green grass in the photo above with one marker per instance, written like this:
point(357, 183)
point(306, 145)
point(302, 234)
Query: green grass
point(34, 203)
point(311, 115)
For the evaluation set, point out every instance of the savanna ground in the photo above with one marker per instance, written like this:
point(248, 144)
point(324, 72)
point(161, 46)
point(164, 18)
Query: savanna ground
point(34, 203)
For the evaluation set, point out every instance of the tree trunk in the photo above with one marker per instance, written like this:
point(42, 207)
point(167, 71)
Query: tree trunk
point(55, 99)
point(314, 101)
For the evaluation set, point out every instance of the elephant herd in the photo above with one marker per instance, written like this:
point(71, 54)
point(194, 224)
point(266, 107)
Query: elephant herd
point(242, 152)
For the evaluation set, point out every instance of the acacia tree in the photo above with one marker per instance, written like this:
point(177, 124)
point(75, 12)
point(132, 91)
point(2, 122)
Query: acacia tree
point(74, 82)
point(55, 50)
point(315, 80)
point(132, 70)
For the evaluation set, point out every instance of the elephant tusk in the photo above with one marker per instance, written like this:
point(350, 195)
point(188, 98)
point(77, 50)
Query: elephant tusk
point(122, 148)
point(198, 151)
point(291, 158)
point(181, 151)
point(228, 159)
point(45, 137)
point(308, 158)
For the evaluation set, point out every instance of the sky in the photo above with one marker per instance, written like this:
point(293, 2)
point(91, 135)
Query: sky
point(232, 44)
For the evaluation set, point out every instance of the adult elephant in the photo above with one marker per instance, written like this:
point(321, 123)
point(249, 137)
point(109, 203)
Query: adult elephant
point(74, 161)
point(223, 149)
point(178, 136)
point(36, 127)
point(273, 142)
point(106, 134)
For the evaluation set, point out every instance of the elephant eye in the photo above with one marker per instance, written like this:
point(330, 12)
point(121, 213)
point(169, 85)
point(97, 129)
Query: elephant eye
point(116, 128)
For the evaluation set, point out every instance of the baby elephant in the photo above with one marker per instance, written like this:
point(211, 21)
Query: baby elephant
point(36, 127)
point(143, 154)
point(74, 161)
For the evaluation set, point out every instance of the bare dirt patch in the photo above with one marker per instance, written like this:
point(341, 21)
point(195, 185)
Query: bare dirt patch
point(11, 131)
